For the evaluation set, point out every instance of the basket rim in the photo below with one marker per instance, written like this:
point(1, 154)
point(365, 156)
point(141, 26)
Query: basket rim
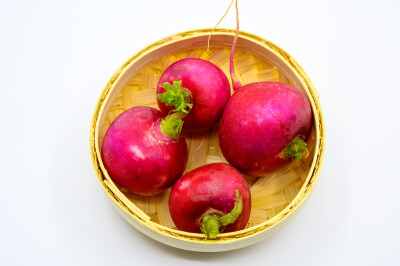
point(120, 200)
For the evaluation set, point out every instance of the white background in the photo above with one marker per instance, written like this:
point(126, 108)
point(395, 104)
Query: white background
point(56, 57)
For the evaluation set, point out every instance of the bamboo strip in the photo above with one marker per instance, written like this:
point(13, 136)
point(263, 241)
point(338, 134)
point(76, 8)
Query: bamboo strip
point(257, 216)
point(154, 217)
point(275, 210)
point(215, 159)
point(169, 60)
point(146, 98)
point(284, 79)
point(161, 205)
point(214, 148)
point(249, 77)
point(181, 55)
point(188, 138)
point(218, 57)
point(225, 68)
point(266, 186)
point(156, 66)
point(302, 170)
point(198, 150)
point(244, 64)
point(269, 74)
point(250, 180)
point(136, 80)
point(271, 201)
point(290, 192)
point(148, 80)
point(196, 53)
point(128, 97)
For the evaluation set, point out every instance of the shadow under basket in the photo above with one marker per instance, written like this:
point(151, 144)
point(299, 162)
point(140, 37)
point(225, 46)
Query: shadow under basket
point(276, 198)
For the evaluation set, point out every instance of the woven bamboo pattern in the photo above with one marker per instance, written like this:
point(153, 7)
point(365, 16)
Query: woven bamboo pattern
point(271, 193)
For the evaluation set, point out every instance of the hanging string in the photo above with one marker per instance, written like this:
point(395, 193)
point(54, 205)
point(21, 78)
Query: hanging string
point(235, 81)
point(209, 37)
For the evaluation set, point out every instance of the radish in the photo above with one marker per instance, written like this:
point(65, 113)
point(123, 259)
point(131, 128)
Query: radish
point(264, 124)
point(196, 87)
point(211, 199)
point(144, 152)
point(263, 127)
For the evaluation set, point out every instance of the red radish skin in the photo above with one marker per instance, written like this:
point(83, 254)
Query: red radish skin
point(206, 190)
point(264, 124)
point(138, 156)
point(209, 90)
point(258, 123)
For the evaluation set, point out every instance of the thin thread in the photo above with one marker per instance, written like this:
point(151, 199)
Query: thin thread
point(235, 82)
point(209, 37)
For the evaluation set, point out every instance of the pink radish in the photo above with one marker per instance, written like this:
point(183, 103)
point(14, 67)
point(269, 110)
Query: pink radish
point(263, 127)
point(197, 87)
point(144, 152)
point(211, 199)
point(264, 124)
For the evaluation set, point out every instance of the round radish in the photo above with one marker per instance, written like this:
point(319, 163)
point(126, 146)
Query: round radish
point(263, 127)
point(211, 199)
point(144, 152)
point(197, 85)
point(264, 124)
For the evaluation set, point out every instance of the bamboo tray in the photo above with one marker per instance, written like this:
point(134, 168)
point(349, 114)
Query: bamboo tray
point(276, 198)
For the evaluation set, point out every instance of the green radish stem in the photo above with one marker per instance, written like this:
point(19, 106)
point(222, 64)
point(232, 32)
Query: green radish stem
point(175, 96)
point(171, 125)
point(211, 223)
point(296, 147)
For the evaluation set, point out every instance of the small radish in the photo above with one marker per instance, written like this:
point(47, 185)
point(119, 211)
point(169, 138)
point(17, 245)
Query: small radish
point(264, 124)
point(144, 152)
point(196, 87)
point(211, 199)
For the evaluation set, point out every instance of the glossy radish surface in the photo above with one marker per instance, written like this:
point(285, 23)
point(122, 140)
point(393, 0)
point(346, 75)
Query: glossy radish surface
point(139, 156)
point(203, 92)
point(212, 191)
point(259, 122)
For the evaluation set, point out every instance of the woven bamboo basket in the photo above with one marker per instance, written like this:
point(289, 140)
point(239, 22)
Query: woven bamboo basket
point(276, 198)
